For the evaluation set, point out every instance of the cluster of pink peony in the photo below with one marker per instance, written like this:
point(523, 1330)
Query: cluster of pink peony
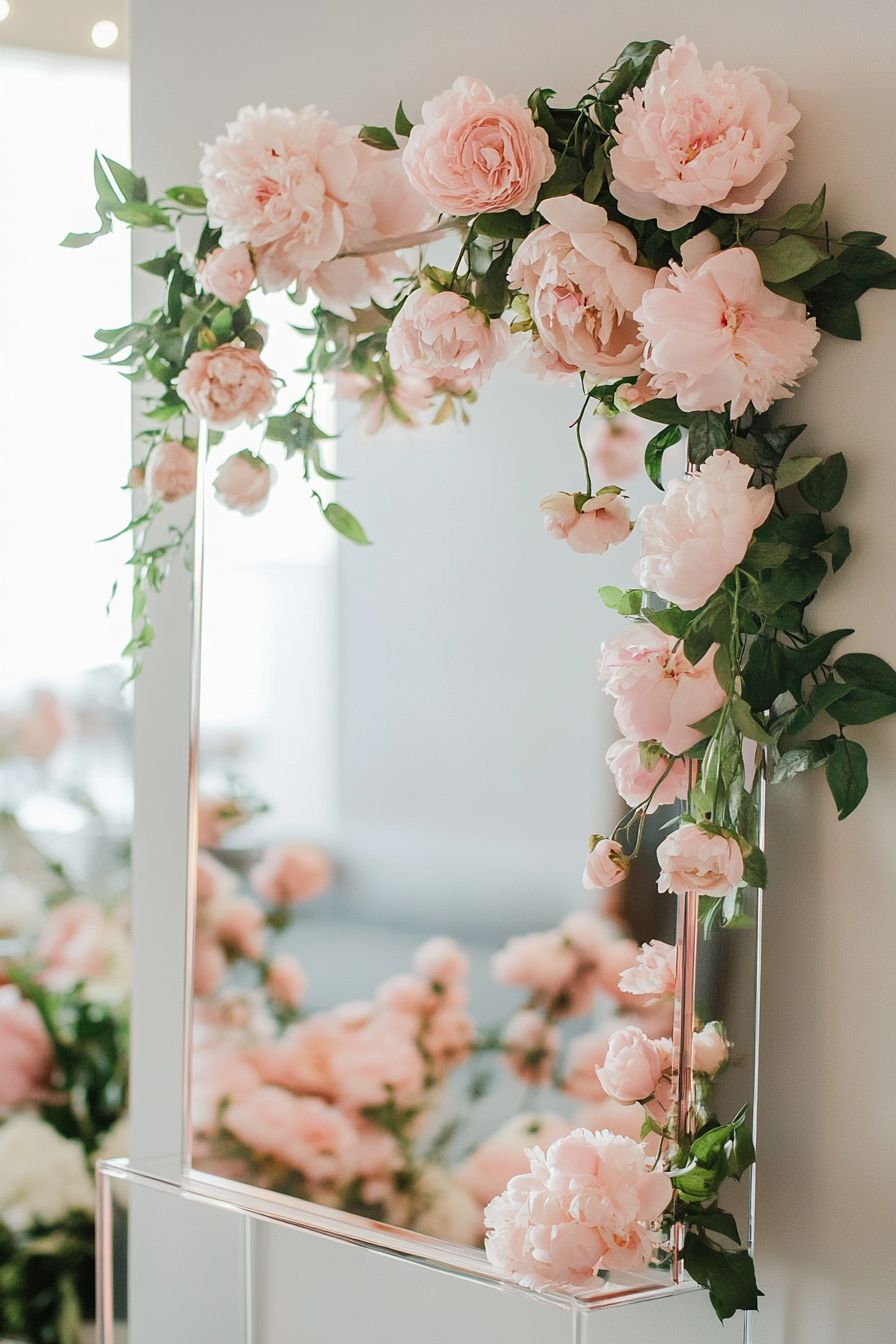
point(227, 386)
point(443, 338)
point(653, 973)
point(585, 1205)
point(564, 968)
point(638, 1069)
point(26, 1052)
point(170, 471)
point(404, 400)
point(82, 942)
point(662, 780)
point(693, 859)
point(601, 522)
point(291, 873)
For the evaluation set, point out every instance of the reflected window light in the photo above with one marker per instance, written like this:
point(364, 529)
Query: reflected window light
point(4, 10)
point(103, 34)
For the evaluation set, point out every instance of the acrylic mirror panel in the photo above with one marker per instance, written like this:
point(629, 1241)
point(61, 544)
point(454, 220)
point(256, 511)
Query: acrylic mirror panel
point(406, 742)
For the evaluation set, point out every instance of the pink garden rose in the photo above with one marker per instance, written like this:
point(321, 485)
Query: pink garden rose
point(489, 1167)
point(302, 1059)
point(545, 962)
point(692, 860)
point(473, 152)
point(603, 521)
point(654, 972)
point(583, 1206)
point(227, 386)
point(530, 1047)
point(240, 929)
point(228, 273)
point(442, 338)
point(619, 956)
point(606, 865)
point(244, 482)
point(80, 942)
point(658, 692)
point(209, 965)
point(378, 1062)
point(638, 1069)
point(693, 137)
point(717, 335)
point(170, 472)
point(634, 781)
point(288, 874)
point(304, 1132)
point(26, 1052)
point(586, 1054)
point(286, 981)
point(218, 1073)
point(440, 961)
point(710, 1049)
point(579, 274)
point(447, 1038)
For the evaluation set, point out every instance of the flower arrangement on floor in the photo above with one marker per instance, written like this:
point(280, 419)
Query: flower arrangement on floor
point(625, 245)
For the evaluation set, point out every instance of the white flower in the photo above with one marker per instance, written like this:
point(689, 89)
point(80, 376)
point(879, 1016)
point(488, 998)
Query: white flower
point(42, 1175)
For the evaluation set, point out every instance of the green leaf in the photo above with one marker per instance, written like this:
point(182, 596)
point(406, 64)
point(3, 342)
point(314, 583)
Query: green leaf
point(745, 723)
point(699, 1183)
point(193, 198)
point(630, 602)
point(804, 530)
point(770, 444)
point(847, 775)
point(766, 555)
point(142, 216)
point(822, 696)
point(85, 239)
point(838, 546)
point(132, 187)
point(663, 411)
point(730, 1276)
point(868, 266)
point(715, 1220)
point(788, 257)
point(823, 488)
point(107, 197)
point(708, 1147)
point(867, 671)
point(741, 1153)
point(722, 669)
point(503, 224)
point(755, 868)
point(610, 596)
point(653, 454)
point(793, 470)
point(862, 239)
point(672, 621)
point(808, 756)
point(709, 724)
point(345, 523)
point(833, 305)
point(799, 218)
point(567, 176)
point(765, 673)
point(859, 706)
point(813, 654)
point(708, 430)
point(796, 580)
point(378, 137)
point(161, 266)
point(403, 126)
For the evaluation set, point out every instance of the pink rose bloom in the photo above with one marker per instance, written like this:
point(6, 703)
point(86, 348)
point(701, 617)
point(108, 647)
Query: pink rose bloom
point(404, 400)
point(653, 973)
point(540, 961)
point(658, 692)
point(302, 1059)
point(473, 152)
point(26, 1052)
point(170, 471)
point(304, 1132)
point(589, 935)
point(406, 994)
point(710, 1049)
point(448, 1038)
point(288, 874)
point(228, 273)
point(286, 981)
point(442, 338)
point(226, 386)
point(614, 447)
point(219, 1073)
point(603, 522)
point(486, 1172)
point(693, 137)
point(244, 482)
point(583, 286)
point(75, 945)
point(633, 1066)
point(586, 1054)
point(441, 962)
point(619, 956)
point(718, 334)
point(701, 530)
point(692, 860)
point(606, 865)
point(376, 1062)
point(531, 1046)
point(209, 966)
point(634, 782)
point(240, 929)
point(215, 887)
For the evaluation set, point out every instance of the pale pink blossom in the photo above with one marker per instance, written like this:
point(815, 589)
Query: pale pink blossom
point(240, 929)
point(302, 1059)
point(244, 482)
point(304, 1132)
point(227, 273)
point(209, 965)
point(545, 962)
point(227, 386)
point(219, 1074)
point(580, 276)
point(717, 335)
point(288, 874)
point(585, 1205)
point(606, 865)
point(701, 530)
point(26, 1052)
point(659, 694)
point(666, 780)
point(216, 886)
point(38, 731)
point(585, 1055)
point(487, 1170)
point(79, 942)
point(619, 956)
point(441, 962)
point(638, 1069)
point(397, 398)
point(710, 1049)
point(693, 860)
point(443, 338)
point(693, 137)
point(405, 993)
point(630, 395)
point(601, 522)
point(589, 934)
point(531, 1046)
point(170, 471)
point(473, 152)
point(350, 283)
point(447, 1038)
point(286, 981)
point(615, 445)
point(653, 973)
point(378, 1062)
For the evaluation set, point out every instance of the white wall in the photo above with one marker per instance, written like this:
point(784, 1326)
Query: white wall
point(828, 1182)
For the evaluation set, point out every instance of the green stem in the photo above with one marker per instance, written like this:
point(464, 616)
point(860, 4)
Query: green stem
point(577, 426)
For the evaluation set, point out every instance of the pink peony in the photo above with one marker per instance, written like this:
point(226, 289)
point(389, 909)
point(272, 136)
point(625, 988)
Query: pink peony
point(701, 530)
point(717, 335)
point(614, 447)
point(406, 994)
point(378, 1062)
point(228, 273)
point(302, 1059)
point(667, 780)
point(350, 283)
point(218, 1074)
point(244, 482)
point(216, 817)
point(634, 1068)
point(401, 399)
point(693, 860)
point(531, 1046)
point(583, 1206)
point(441, 962)
point(288, 874)
point(286, 981)
point(473, 152)
point(603, 521)
point(78, 943)
point(209, 965)
point(654, 972)
point(710, 1049)
point(240, 929)
point(586, 1054)
point(486, 1172)
point(606, 865)
point(304, 1132)
point(447, 1039)
point(227, 386)
point(170, 471)
point(545, 962)
point(619, 956)
point(692, 138)
point(580, 277)
point(658, 692)
point(26, 1052)
point(442, 338)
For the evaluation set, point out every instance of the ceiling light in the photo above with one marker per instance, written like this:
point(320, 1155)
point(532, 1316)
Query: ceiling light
point(102, 34)
point(4, 10)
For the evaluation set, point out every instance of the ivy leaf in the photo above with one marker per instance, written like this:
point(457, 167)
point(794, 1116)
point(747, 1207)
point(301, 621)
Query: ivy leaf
point(708, 430)
point(699, 1183)
point(838, 546)
point(793, 470)
point(833, 305)
point(610, 596)
point(822, 696)
point(869, 267)
point(653, 453)
point(132, 187)
point(755, 869)
point(503, 224)
point(403, 126)
point(847, 775)
point(741, 1153)
point(770, 444)
point(715, 1220)
point(788, 257)
point(813, 654)
point(868, 671)
point(823, 488)
point(800, 218)
point(808, 756)
point(346, 523)
point(730, 1276)
point(672, 621)
point(745, 723)
point(142, 216)
point(860, 706)
point(663, 411)
point(193, 198)
point(765, 673)
point(378, 137)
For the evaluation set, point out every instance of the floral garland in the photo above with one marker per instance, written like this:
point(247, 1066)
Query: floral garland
point(620, 243)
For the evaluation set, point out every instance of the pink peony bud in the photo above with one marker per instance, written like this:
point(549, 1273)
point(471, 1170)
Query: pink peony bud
point(244, 482)
point(606, 865)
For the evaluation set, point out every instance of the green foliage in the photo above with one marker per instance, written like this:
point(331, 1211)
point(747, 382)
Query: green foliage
point(402, 125)
point(847, 774)
point(378, 137)
point(345, 523)
point(47, 1280)
point(653, 454)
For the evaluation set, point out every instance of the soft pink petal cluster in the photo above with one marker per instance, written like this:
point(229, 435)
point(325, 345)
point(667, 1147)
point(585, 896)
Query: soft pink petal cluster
point(288, 874)
point(486, 1172)
point(606, 865)
point(228, 927)
point(442, 338)
point(585, 1205)
point(602, 522)
point(227, 386)
point(585, 1055)
point(81, 941)
point(583, 286)
point(718, 335)
point(228, 273)
point(658, 692)
point(170, 472)
point(474, 152)
point(531, 1047)
point(693, 860)
point(693, 137)
point(710, 1049)
point(562, 968)
point(405, 401)
point(614, 447)
point(286, 981)
point(654, 972)
point(26, 1053)
point(637, 1068)
point(666, 780)
point(244, 482)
